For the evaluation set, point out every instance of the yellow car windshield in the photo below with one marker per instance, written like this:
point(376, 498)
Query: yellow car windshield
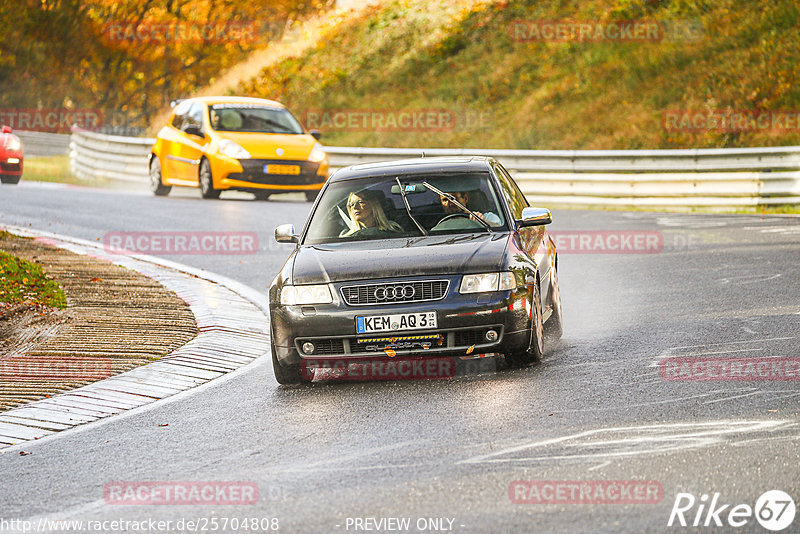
point(253, 118)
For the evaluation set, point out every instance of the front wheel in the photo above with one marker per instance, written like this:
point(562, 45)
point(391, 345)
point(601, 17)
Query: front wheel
point(10, 179)
point(156, 183)
point(553, 328)
point(311, 196)
point(535, 349)
point(206, 182)
point(262, 195)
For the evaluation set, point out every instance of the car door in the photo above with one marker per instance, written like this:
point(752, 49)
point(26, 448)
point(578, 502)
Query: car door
point(188, 149)
point(171, 141)
point(532, 238)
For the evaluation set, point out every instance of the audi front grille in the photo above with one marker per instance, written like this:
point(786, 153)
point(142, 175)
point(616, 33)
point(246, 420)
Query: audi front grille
point(395, 292)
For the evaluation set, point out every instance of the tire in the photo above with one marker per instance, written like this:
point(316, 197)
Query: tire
point(262, 195)
point(156, 183)
point(286, 374)
point(535, 349)
point(311, 196)
point(10, 179)
point(553, 328)
point(207, 181)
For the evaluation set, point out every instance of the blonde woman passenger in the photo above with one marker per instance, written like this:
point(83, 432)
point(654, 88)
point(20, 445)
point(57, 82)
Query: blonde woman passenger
point(365, 211)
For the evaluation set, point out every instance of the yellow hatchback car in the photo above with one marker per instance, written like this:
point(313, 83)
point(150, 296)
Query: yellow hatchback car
point(237, 143)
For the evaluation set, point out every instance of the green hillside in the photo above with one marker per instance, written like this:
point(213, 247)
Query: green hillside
point(479, 66)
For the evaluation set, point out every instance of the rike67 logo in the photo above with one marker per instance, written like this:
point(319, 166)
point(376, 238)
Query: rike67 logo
point(774, 510)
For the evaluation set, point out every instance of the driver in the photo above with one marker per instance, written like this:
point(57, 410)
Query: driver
point(464, 198)
point(366, 212)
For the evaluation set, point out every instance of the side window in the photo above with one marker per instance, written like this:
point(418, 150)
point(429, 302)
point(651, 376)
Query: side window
point(195, 116)
point(180, 115)
point(516, 200)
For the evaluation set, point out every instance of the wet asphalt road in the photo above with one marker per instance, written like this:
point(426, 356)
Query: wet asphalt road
point(597, 408)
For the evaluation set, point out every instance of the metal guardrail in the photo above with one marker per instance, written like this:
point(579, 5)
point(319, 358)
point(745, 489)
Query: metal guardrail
point(112, 157)
point(43, 143)
point(694, 177)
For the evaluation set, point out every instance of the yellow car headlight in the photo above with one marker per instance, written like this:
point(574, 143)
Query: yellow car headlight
point(233, 150)
point(318, 154)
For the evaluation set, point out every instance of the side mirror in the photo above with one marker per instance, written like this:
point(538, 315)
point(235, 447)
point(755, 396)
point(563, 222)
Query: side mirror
point(285, 234)
point(6, 129)
point(194, 130)
point(535, 217)
point(316, 134)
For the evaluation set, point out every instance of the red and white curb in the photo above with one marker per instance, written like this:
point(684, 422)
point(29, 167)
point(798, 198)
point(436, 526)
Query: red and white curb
point(233, 325)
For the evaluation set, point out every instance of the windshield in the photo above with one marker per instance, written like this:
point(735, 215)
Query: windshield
point(252, 118)
point(373, 208)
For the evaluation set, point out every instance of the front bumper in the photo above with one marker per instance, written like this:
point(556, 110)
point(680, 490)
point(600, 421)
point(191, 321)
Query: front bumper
point(248, 174)
point(463, 321)
point(11, 169)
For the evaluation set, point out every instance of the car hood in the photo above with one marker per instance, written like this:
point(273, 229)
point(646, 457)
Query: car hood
point(265, 146)
point(390, 258)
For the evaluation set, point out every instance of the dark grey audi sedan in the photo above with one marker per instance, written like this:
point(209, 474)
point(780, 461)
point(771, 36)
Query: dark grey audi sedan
point(423, 258)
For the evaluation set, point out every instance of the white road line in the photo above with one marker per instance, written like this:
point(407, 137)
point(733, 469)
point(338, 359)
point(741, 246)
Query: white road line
point(725, 399)
point(734, 342)
point(694, 435)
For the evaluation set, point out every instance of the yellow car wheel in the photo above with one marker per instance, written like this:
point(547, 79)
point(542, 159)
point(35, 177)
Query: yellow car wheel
point(207, 181)
point(156, 183)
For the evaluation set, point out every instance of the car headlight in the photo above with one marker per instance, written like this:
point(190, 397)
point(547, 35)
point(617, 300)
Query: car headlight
point(13, 144)
point(231, 149)
point(317, 154)
point(302, 295)
point(482, 283)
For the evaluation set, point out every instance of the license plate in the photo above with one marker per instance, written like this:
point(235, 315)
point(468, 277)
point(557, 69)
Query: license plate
point(281, 169)
point(392, 323)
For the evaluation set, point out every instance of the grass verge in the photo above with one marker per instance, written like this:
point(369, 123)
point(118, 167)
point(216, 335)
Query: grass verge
point(55, 169)
point(23, 282)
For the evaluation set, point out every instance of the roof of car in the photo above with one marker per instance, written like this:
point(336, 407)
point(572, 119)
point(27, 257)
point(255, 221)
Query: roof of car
point(236, 100)
point(414, 166)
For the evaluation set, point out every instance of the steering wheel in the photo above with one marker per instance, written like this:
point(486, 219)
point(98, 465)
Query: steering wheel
point(453, 216)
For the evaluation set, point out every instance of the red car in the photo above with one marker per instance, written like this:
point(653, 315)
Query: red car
point(10, 157)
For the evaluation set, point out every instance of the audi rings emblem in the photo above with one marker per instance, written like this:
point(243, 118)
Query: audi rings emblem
point(395, 293)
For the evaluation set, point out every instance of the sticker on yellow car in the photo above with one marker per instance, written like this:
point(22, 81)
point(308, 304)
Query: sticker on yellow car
point(281, 169)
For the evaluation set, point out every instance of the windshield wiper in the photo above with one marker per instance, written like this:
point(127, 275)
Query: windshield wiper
point(408, 207)
point(451, 198)
point(274, 124)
